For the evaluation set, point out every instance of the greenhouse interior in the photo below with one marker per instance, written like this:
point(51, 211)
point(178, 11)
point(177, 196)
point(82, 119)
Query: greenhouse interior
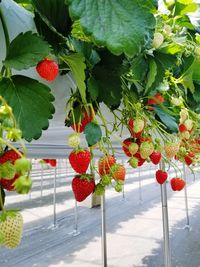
point(99, 133)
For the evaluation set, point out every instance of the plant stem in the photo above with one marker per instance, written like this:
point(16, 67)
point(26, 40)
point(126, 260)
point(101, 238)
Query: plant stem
point(5, 29)
point(7, 40)
point(1, 201)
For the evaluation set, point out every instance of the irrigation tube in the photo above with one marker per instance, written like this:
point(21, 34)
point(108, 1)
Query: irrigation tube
point(167, 252)
point(103, 232)
point(187, 226)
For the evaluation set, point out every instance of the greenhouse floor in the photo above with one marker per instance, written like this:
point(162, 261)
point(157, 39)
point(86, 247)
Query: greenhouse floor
point(134, 224)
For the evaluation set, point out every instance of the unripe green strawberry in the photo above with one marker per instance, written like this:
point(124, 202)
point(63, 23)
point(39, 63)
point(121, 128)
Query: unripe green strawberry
point(167, 29)
point(133, 148)
point(157, 40)
point(185, 135)
point(119, 186)
point(182, 151)
point(23, 165)
point(14, 134)
point(183, 115)
point(23, 184)
point(146, 149)
point(189, 124)
point(105, 180)
point(99, 189)
point(11, 226)
point(133, 162)
point(5, 111)
point(197, 51)
point(171, 149)
point(176, 101)
point(138, 125)
point(74, 140)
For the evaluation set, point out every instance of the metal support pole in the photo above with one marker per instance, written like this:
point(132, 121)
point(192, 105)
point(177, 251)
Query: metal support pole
point(29, 195)
point(167, 252)
point(103, 232)
point(41, 181)
point(140, 185)
point(123, 191)
point(75, 232)
point(187, 226)
point(54, 198)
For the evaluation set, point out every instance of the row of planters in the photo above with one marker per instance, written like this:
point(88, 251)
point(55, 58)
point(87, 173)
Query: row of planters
point(142, 73)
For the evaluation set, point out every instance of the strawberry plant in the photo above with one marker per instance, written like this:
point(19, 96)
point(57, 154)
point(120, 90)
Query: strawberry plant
point(136, 74)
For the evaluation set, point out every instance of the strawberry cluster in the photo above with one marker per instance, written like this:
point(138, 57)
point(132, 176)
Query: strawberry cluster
point(14, 172)
point(82, 184)
point(51, 162)
point(109, 170)
point(177, 184)
point(140, 147)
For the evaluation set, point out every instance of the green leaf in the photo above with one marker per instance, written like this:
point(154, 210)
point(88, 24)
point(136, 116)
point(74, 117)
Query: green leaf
point(26, 50)
point(52, 20)
point(7, 170)
point(86, 49)
point(107, 76)
point(182, 9)
point(31, 104)
point(93, 88)
point(92, 133)
point(164, 62)
point(151, 74)
point(196, 94)
point(184, 21)
point(139, 68)
point(196, 72)
point(172, 48)
point(167, 119)
point(76, 63)
point(187, 82)
point(122, 26)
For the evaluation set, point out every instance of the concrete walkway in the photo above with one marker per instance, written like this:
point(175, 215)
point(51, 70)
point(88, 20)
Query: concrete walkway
point(134, 227)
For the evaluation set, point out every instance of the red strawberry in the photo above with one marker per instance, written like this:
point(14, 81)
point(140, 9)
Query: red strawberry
point(118, 172)
point(53, 162)
point(157, 99)
point(177, 184)
point(182, 128)
point(141, 161)
point(136, 127)
point(129, 147)
point(11, 156)
point(82, 186)
point(80, 127)
point(9, 184)
point(105, 163)
point(189, 158)
point(80, 160)
point(48, 69)
point(142, 139)
point(161, 176)
point(155, 157)
point(46, 160)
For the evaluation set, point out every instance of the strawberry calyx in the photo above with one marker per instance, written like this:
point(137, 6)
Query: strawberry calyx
point(86, 176)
